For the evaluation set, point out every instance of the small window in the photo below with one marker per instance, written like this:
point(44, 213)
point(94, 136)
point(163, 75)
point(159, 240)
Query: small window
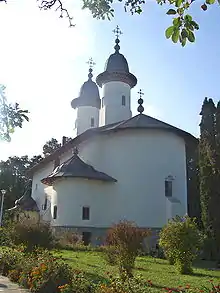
point(86, 238)
point(44, 207)
point(55, 212)
point(168, 188)
point(102, 102)
point(36, 187)
point(92, 122)
point(85, 213)
point(123, 100)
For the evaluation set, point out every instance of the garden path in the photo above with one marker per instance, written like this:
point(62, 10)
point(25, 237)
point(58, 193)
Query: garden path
point(6, 286)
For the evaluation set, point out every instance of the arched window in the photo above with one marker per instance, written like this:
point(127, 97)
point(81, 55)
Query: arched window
point(123, 100)
point(92, 122)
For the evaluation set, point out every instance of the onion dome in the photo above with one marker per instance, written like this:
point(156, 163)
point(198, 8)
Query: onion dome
point(116, 67)
point(89, 93)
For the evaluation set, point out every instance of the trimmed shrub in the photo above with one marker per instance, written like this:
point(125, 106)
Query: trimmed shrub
point(68, 240)
point(110, 254)
point(135, 284)
point(181, 241)
point(79, 284)
point(4, 237)
point(126, 238)
point(9, 259)
point(32, 235)
point(48, 275)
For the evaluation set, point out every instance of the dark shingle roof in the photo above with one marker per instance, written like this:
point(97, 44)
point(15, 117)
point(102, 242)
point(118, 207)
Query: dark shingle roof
point(26, 202)
point(75, 167)
point(140, 121)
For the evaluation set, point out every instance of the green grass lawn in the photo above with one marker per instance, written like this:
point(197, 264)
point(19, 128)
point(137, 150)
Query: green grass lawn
point(158, 271)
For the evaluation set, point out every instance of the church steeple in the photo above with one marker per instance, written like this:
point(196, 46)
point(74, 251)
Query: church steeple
point(117, 82)
point(88, 103)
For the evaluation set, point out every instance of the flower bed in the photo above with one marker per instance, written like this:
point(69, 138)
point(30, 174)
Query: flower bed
point(41, 272)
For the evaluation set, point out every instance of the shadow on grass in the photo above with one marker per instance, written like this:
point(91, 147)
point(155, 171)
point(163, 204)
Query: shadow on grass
point(204, 275)
point(69, 259)
point(141, 269)
point(153, 260)
point(96, 278)
point(156, 286)
point(93, 266)
point(205, 264)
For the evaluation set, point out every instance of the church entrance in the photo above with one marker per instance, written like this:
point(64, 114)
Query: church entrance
point(86, 237)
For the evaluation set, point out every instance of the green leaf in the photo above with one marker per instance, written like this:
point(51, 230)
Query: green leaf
point(180, 11)
point(183, 42)
point(210, 2)
point(184, 33)
point(175, 36)
point(177, 22)
point(11, 130)
point(186, 5)
point(169, 32)
point(191, 36)
point(204, 7)
point(25, 117)
point(171, 12)
point(188, 17)
point(139, 10)
point(195, 24)
point(178, 3)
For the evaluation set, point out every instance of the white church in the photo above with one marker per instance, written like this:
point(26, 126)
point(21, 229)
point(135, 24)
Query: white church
point(118, 166)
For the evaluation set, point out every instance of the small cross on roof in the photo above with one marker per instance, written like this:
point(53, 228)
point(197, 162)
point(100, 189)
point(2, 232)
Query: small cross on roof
point(140, 93)
point(91, 63)
point(117, 31)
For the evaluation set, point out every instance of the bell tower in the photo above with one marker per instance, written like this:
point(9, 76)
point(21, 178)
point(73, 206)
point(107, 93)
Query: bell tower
point(117, 83)
point(87, 104)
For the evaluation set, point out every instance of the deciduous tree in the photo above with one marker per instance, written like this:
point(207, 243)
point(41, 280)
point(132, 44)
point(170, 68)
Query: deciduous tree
point(183, 25)
point(11, 116)
point(50, 146)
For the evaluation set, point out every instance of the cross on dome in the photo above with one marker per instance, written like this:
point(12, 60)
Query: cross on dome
point(140, 102)
point(91, 63)
point(117, 31)
point(140, 93)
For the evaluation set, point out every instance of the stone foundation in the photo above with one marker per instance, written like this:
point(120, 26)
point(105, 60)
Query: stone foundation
point(98, 234)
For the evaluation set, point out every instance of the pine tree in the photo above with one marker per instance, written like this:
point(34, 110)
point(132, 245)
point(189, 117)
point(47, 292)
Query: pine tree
point(215, 202)
point(209, 148)
point(207, 161)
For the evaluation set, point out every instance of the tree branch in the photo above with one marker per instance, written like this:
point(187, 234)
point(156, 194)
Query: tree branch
point(63, 11)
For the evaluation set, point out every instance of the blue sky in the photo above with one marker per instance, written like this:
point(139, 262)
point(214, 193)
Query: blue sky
point(43, 65)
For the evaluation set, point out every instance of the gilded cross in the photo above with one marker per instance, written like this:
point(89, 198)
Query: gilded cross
point(117, 32)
